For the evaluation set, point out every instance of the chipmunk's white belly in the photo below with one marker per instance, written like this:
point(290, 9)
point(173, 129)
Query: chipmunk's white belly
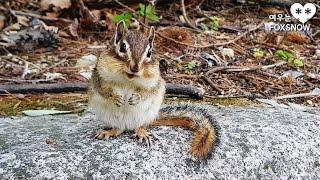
point(126, 117)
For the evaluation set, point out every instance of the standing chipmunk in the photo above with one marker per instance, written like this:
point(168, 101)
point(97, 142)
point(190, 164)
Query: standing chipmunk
point(126, 92)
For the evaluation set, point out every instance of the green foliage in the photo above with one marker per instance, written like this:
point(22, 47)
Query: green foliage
point(204, 27)
point(191, 65)
point(284, 55)
point(251, 2)
point(287, 56)
point(297, 62)
point(149, 12)
point(126, 17)
point(258, 53)
point(215, 21)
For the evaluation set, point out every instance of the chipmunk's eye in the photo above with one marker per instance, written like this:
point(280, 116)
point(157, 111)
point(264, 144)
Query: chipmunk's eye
point(149, 53)
point(123, 48)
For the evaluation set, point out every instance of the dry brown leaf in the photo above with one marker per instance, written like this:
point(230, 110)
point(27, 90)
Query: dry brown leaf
point(272, 10)
point(52, 14)
point(178, 34)
point(73, 28)
point(60, 4)
point(2, 18)
point(297, 37)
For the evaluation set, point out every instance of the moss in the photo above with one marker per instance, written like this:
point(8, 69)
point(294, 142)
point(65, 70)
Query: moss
point(12, 106)
point(217, 101)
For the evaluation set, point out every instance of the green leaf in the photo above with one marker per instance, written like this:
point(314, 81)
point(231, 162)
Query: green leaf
point(149, 12)
point(297, 62)
point(191, 65)
point(204, 27)
point(284, 55)
point(126, 17)
point(43, 112)
point(215, 21)
point(258, 53)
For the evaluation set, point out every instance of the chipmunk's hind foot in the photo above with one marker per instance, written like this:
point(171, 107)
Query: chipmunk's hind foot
point(106, 134)
point(144, 137)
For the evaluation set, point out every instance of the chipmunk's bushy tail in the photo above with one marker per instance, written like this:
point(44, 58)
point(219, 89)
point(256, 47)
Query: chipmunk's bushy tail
point(196, 119)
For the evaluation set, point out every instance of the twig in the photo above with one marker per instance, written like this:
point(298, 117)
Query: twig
point(272, 45)
point(290, 96)
point(48, 68)
point(215, 87)
point(185, 16)
point(14, 12)
point(243, 68)
point(312, 75)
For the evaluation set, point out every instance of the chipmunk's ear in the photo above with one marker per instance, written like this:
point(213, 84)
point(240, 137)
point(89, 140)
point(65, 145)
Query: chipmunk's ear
point(152, 35)
point(120, 31)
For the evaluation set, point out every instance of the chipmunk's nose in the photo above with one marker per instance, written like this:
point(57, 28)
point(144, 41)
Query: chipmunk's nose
point(134, 68)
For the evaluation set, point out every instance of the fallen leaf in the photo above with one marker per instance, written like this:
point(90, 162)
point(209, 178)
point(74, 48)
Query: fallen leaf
point(86, 65)
point(2, 18)
point(86, 61)
point(227, 52)
point(272, 10)
point(44, 112)
point(53, 76)
point(297, 37)
point(73, 28)
point(316, 90)
point(23, 20)
point(52, 14)
point(59, 4)
point(292, 74)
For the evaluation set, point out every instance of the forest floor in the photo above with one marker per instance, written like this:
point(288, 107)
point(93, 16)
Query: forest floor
point(225, 49)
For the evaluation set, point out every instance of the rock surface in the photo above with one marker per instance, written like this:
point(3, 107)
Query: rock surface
point(255, 143)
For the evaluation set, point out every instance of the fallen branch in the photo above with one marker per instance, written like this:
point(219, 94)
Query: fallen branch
point(290, 96)
point(244, 68)
point(176, 89)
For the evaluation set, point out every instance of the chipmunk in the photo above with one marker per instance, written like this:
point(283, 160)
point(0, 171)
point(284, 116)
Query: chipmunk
point(126, 92)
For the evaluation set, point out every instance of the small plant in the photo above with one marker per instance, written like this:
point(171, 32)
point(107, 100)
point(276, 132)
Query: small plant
point(258, 53)
point(126, 17)
point(149, 12)
point(284, 55)
point(215, 21)
point(191, 65)
point(297, 62)
point(287, 56)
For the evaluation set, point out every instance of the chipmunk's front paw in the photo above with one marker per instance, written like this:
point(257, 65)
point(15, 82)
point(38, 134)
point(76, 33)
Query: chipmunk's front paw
point(118, 100)
point(142, 135)
point(134, 99)
point(106, 134)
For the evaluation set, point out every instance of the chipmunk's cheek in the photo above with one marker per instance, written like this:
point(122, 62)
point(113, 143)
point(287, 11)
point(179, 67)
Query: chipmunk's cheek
point(148, 74)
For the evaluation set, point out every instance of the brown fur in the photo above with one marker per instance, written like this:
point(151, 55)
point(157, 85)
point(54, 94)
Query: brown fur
point(204, 136)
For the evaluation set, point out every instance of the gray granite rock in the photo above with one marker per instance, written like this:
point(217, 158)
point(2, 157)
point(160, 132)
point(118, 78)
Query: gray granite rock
point(255, 143)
